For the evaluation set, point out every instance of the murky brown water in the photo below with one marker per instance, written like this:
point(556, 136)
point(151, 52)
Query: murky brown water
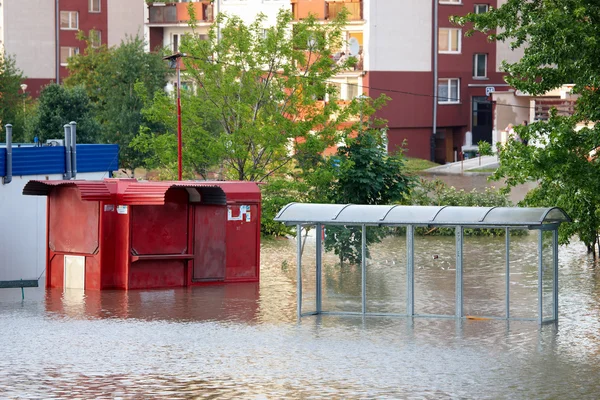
point(244, 341)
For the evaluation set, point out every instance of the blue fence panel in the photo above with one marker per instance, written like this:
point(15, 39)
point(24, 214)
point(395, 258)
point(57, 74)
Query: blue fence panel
point(97, 157)
point(2, 162)
point(38, 160)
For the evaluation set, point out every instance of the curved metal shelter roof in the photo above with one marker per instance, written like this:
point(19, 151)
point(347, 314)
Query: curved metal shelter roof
point(359, 214)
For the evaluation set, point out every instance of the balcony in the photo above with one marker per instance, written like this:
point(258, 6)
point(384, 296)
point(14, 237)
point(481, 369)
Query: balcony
point(327, 10)
point(177, 13)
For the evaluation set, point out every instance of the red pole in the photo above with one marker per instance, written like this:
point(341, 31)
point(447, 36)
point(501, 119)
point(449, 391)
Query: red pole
point(178, 121)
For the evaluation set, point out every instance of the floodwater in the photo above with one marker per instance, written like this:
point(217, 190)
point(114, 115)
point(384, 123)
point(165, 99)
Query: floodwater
point(244, 340)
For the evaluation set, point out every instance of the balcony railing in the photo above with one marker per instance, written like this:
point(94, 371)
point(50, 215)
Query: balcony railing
point(354, 10)
point(326, 10)
point(178, 12)
point(542, 108)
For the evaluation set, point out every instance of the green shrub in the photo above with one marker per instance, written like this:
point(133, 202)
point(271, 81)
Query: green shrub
point(275, 195)
point(485, 148)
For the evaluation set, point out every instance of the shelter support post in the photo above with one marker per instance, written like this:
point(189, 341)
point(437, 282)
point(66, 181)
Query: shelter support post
point(364, 269)
point(459, 271)
point(299, 266)
point(555, 282)
point(319, 267)
point(410, 270)
point(540, 276)
point(507, 255)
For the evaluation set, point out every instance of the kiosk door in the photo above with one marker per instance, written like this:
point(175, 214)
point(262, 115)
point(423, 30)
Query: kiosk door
point(209, 243)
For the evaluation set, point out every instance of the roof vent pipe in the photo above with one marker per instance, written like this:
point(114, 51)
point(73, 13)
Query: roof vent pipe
point(73, 149)
point(8, 178)
point(67, 151)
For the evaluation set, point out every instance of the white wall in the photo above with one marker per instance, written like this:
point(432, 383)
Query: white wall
point(23, 233)
point(125, 18)
point(399, 35)
point(249, 9)
point(503, 50)
point(29, 36)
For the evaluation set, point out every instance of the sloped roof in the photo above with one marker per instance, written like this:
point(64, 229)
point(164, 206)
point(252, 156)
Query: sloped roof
point(90, 190)
point(354, 214)
point(132, 192)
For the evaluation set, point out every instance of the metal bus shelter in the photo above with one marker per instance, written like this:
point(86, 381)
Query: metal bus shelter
point(318, 215)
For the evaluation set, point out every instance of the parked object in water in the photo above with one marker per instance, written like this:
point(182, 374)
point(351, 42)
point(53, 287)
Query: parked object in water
point(125, 234)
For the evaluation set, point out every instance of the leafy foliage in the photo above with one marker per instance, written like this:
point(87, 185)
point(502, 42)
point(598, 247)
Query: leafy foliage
point(11, 99)
point(485, 148)
point(364, 174)
point(263, 87)
point(109, 76)
point(58, 105)
point(560, 41)
point(275, 195)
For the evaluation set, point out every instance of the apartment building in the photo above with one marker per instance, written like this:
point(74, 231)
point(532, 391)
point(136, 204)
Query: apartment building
point(406, 49)
point(42, 34)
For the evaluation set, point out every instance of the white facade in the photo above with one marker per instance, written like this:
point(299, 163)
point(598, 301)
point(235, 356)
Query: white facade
point(125, 18)
point(398, 35)
point(27, 33)
point(23, 234)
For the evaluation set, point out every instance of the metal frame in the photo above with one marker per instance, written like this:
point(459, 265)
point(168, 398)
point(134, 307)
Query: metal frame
point(410, 277)
point(478, 221)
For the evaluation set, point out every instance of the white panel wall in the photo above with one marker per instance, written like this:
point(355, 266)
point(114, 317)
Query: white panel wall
point(399, 36)
point(249, 9)
point(125, 18)
point(23, 228)
point(503, 51)
point(29, 36)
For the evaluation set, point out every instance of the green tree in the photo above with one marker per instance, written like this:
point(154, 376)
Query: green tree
point(11, 96)
point(364, 174)
point(560, 41)
point(58, 105)
point(264, 87)
point(109, 76)
point(157, 140)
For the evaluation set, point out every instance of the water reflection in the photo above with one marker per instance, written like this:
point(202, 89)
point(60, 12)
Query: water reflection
point(243, 341)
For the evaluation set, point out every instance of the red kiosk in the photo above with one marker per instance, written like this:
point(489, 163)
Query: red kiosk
point(129, 234)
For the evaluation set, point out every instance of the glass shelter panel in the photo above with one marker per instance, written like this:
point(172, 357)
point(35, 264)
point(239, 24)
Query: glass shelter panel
point(342, 272)
point(523, 253)
point(484, 274)
point(547, 275)
point(386, 271)
point(435, 271)
point(309, 288)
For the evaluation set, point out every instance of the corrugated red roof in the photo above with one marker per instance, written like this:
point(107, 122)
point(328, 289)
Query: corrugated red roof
point(89, 190)
point(153, 193)
point(131, 192)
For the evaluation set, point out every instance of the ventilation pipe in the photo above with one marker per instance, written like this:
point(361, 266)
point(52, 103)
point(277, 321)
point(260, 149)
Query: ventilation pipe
point(8, 178)
point(73, 149)
point(68, 151)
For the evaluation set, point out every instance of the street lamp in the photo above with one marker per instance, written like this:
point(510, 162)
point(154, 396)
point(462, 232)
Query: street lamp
point(174, 63)
point(24, 88)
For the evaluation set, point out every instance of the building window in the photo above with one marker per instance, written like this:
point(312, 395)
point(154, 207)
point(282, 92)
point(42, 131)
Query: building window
point(66, 52)
point(450, 1)
point(481, 8)
point(95, 38)
point(94, 6)
point(69, 20)
point(175, 42)
point(479, 65)
point(449, 91)
point(449, 40)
